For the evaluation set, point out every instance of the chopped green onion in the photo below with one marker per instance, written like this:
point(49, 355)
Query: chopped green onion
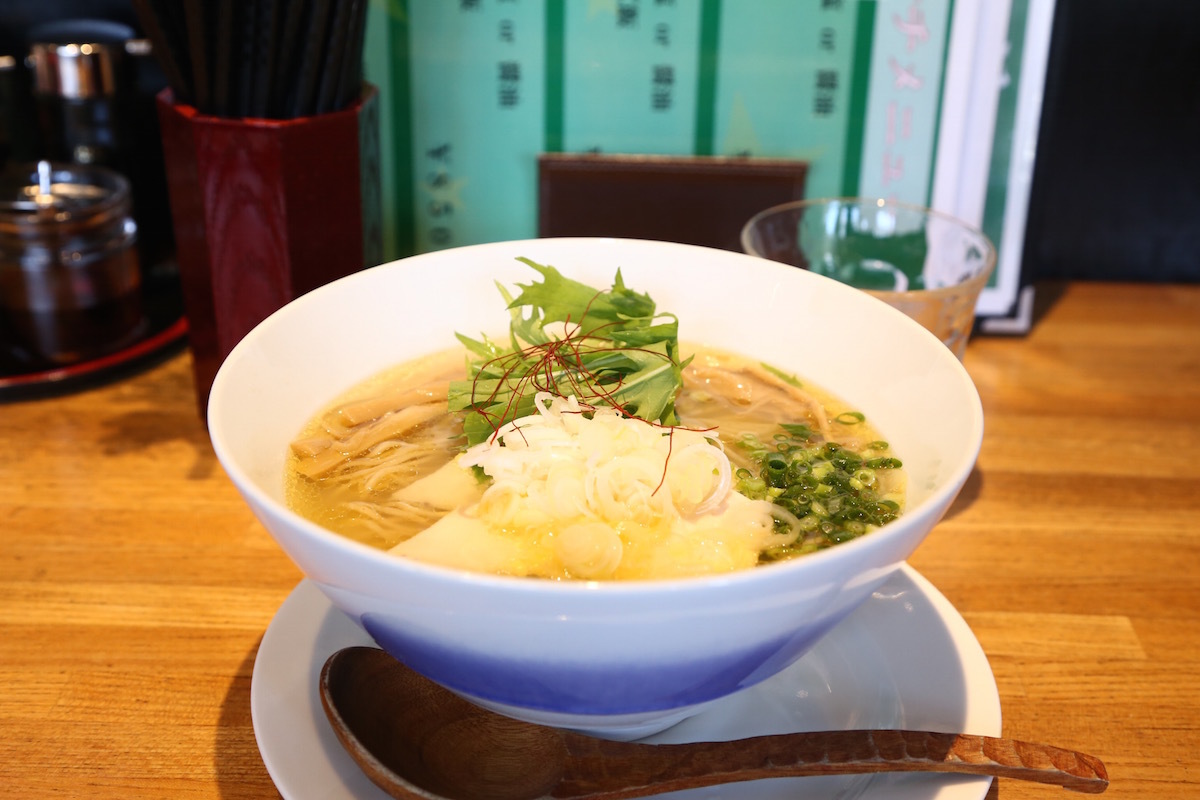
point(884, 463)
point(798, 430)
point(786, 377)
point(828, 487)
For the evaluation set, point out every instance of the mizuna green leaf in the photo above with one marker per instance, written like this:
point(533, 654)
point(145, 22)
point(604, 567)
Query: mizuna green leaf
point(606, 347)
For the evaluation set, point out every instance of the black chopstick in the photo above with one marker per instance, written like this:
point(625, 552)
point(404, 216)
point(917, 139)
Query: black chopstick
point(243, 30)
point(165, 53)
point(351, 73)
point(171, 20)
point(335, 51)
point(287, 57)
point(265, 23)
point(303, 99)
point(197, 44)
point(223, 44)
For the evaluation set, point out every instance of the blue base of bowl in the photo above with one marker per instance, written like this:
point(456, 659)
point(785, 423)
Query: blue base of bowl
point(618, 700)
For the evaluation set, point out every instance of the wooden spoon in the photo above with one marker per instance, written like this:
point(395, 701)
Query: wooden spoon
point(419, 741)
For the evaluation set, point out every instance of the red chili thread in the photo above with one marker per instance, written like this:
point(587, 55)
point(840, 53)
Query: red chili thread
point(584, 384)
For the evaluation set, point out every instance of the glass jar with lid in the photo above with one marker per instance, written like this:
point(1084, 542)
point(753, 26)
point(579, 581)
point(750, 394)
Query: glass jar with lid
point(70, 282)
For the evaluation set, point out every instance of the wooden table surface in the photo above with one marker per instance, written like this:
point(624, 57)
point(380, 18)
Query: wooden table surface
point(135, 586)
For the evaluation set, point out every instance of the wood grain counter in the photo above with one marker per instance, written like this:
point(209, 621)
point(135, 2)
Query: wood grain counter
point(135, 585)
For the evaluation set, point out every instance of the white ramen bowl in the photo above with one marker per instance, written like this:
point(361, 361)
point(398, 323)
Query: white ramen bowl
point(619, 659)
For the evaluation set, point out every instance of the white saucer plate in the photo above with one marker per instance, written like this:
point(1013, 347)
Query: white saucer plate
point(904, 659)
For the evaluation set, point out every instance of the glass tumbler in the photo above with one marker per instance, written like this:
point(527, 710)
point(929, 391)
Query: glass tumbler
point(927, 264)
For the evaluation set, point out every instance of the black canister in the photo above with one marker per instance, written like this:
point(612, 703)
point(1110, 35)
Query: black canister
point(81, 83)
point(70, 285)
